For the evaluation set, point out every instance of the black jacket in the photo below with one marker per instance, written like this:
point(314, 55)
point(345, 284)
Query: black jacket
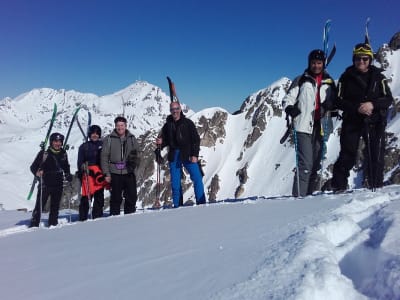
point(54, 167)
point(355, 88)
point(89, 152)
point(180, 135)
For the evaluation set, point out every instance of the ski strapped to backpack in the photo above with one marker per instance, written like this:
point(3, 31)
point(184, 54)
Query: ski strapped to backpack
point(65, 145)
point(172, 91)
point(43, 147)
point(325, 39)
point(85, 135)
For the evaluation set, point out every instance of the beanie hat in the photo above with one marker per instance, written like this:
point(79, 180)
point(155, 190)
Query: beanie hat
point(120, 119)
point(94, 129)
point(363, 49)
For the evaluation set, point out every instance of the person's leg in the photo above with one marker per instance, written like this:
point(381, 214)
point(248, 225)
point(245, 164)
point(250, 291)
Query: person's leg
point(98, 204)
point(197, 179)
point(116, 194)
point(175, 169)
point(41, 199)
point(130, 193)
point(83, 208)
point(349, 141)
point(305, 161)
point(55, 199)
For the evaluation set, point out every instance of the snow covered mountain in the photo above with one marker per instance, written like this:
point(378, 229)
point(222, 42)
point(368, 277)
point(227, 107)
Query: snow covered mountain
point(234, 147)
point(254, 243)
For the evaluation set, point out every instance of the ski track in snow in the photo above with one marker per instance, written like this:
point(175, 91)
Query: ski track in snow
point(315, 269)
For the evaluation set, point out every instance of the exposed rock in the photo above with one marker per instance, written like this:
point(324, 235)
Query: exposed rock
point(213, 188)
point(394, 43)
point(211, 130)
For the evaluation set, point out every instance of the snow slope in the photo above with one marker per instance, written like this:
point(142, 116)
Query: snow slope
point(319, 247)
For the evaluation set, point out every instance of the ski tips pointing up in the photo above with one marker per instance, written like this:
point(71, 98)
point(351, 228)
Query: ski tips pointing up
point(172, 91)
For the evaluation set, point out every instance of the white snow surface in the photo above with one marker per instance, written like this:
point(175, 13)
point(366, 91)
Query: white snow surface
point(319, 247)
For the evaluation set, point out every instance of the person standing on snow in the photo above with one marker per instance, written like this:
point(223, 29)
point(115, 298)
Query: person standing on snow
point(51, 166)
point(307, 102)
point(364, 97)
point(119, 159)
point(183, 141)
point(92, 178)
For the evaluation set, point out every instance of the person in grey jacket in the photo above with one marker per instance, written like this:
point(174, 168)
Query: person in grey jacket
point(119, 159)
point(308, 101)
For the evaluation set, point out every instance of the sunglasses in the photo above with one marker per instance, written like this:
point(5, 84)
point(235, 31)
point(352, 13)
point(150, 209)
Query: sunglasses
point(172, 109)
point(361, 58)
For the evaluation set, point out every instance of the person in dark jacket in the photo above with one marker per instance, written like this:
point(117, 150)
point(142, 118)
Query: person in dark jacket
point(119, 159)
point(364, 97)
point(308, 102)
point(183, 140)
point(92, 178)
point(51, 166)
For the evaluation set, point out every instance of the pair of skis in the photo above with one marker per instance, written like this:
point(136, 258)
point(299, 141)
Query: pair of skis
point(43, 144)
point(159, 160)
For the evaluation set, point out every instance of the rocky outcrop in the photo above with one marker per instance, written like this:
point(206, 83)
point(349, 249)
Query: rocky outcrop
point(212, 129)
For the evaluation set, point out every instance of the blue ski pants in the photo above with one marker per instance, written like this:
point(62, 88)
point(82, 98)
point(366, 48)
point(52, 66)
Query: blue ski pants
point(175, 168)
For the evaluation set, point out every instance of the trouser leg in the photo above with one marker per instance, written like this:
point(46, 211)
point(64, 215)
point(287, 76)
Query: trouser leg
point(305, 162)
point(130, 193)
point(116, 194)
point(98, 204)
point(175, 168)
point(195, 176)
point(317, 142)
point(83, 208)
point(55, 199)
point(349, 141)
point(41, 199)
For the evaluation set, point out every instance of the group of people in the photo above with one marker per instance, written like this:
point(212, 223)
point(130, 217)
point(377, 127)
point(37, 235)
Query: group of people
point(110, 162)
point(363, 96)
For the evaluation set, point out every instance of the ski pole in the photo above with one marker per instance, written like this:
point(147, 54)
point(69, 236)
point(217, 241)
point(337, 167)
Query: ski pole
point(158, 175)
point(371, 172)
point(41, 199)
point(90, 203)
point(69, 201)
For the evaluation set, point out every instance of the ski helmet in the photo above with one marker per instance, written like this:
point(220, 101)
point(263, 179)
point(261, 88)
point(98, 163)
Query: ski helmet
point(55, 136)
point(316, 54)
point(94, 129)
point(363, 49)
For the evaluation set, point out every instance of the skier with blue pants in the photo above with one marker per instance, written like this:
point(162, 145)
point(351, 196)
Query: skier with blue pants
point(183, 141)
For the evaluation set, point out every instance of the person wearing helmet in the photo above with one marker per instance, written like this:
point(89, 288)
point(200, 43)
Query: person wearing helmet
point(91, 176)
point(52, 167)
point(364, 97)
point(308, 101)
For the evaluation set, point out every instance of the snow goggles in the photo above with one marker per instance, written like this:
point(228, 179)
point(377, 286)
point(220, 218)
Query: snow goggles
point(363, 49)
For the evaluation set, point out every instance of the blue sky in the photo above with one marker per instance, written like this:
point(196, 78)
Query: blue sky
point(217, 52)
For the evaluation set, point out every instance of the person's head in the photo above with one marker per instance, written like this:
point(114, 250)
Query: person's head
point(175, 109)
point(362, 56)
point(316, 61)
point(56, 140)
point(94, 132)
point(120, 125)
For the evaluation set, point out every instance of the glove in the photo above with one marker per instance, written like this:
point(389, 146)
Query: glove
point(292, 111)
point(68, 177)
